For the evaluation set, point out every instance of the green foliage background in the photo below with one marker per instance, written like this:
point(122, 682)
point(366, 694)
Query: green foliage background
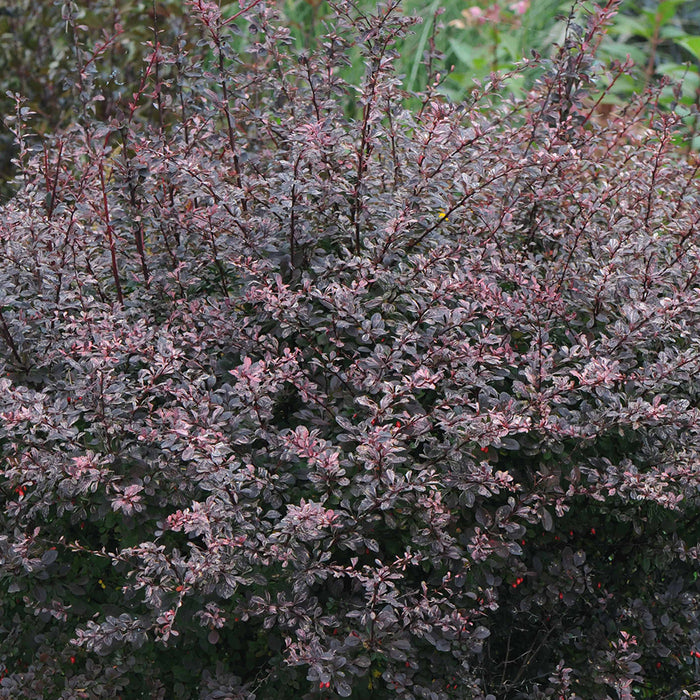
point(38, 49)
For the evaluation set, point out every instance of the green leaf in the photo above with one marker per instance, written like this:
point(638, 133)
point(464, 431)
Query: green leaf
point(632, 26)
point(691, 44)
point(667, 10)
point(464, 53)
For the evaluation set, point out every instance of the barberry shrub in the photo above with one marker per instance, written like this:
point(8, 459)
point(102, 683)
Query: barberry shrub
point(315, 389)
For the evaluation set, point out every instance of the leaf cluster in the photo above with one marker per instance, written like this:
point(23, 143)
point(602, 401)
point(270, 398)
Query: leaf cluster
point(394, 403)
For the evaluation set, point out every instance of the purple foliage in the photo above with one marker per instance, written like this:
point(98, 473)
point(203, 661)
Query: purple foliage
point(392, 399)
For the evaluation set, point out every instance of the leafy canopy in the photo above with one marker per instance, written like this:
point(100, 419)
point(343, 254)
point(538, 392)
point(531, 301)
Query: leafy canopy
point(402, 404)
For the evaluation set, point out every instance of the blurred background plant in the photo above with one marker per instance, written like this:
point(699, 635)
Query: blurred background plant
point(663, 40)
point(473, 38)
point(458, 45)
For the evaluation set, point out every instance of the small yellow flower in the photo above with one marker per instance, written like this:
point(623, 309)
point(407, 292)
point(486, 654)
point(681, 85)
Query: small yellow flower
point(442, 214)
